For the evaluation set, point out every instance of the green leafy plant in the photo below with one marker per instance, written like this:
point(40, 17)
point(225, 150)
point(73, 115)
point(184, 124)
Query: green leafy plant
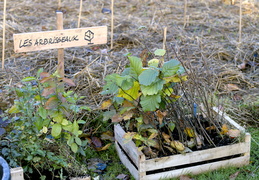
point(46, 121)
point(140, 94)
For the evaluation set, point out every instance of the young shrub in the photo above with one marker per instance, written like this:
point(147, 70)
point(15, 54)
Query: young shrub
point(140, 95)
point(45, 122)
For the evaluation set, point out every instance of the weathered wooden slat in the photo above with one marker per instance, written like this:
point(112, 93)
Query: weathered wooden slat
point(214, 154)
point(25, 42)
point(228, 119)
point(196, 156)
point(17, 173)
point(239, 161)
point(130, 147)
point(124, 159)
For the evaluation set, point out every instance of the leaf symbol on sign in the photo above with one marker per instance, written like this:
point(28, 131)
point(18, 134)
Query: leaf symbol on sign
point(89, 35)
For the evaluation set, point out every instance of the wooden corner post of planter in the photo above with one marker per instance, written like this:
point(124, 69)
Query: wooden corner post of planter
point(17, 173)
point(195, 162)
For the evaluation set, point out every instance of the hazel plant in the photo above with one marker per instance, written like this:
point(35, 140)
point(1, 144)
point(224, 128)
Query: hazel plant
point(139, 93)
point(145, 85)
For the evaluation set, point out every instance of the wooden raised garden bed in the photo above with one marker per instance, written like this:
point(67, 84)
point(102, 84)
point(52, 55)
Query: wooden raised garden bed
point(176, 165)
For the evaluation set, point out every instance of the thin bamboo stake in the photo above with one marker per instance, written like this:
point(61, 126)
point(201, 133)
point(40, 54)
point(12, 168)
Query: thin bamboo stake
point(240, 23)
point(59, 4)
point(185, 12)
point(60, 67)
point(112, 22)
point(164, 39)
point(80, 12)
point(3, 50)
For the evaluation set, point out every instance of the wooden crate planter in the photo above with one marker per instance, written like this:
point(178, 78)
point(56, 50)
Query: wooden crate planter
point(17, 173)
point(176, 165)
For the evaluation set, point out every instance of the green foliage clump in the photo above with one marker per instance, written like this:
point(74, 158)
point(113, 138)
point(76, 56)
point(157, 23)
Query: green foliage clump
point(139, 94)
point(45, 122)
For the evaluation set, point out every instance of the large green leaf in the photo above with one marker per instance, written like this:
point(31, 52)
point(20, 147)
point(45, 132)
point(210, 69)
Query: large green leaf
point(135, 66)
point(170, 68)
point(68, 127)
point(58, 117)
point(127, 83)
point(160, 52)
point(56, 130)
point(150, 102)
point(75, 130)
point(130, 94)
point(78, 141)
point(181, 70)
point(148, 76)
point(153, 62)
point(74, 147)
point(153, 88)
point(126, 71)
point(120, 79)
point(110, 87)
point(108, 115)
point(42, 112)
point(38, 123)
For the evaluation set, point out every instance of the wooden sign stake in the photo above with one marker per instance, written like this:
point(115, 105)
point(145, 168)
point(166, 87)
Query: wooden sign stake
point(80, 13)
point(59, 4)
point(3, 50)
point(112, 22)
point(61, 65)
point(164, 39)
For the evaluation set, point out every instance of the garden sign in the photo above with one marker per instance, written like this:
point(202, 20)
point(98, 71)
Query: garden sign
point(26, 42)
point(59, 39)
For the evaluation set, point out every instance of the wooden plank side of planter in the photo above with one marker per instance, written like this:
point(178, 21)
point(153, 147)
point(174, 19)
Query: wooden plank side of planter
point(228, 119)
point(17, 173)
point(237, 162)
point(130, 147)
point(197, 156)
point(127, 163)
point(209, 159)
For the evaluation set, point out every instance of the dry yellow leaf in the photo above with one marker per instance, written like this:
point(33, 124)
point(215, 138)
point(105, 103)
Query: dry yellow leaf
point(104, 147)
point(177, 145)
point(190, 132)
point(233, 133)
point(160, 116)
point(224, 129)
point(127, 115)
point(232, 87)
point(210, 128)
point(166, 137)
point(44, 129)
point(106, 104)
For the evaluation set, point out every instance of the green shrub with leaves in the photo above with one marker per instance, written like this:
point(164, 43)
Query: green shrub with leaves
point(139, 94)
point(46, 120)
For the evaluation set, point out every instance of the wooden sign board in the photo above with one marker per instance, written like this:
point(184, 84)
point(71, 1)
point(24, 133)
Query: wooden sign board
point(26, 42)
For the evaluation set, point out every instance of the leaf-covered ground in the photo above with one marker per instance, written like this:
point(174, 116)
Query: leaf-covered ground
point(208, 37)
